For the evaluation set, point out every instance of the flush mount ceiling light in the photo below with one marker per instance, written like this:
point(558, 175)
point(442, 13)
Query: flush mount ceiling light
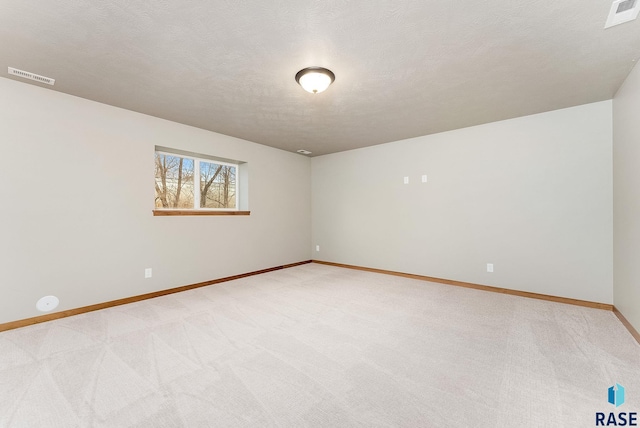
point(315, 79)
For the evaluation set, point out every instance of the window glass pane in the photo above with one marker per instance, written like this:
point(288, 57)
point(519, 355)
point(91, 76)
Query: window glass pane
point(174, 182)
point(217, 185)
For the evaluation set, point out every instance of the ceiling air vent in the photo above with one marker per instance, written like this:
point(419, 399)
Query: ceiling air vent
point(622, 11)
point(31, 76)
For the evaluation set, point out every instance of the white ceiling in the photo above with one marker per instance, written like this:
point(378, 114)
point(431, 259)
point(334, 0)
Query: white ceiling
point(403, 68)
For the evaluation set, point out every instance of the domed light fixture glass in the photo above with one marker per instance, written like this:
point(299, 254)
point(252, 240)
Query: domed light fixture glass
point(315, 79)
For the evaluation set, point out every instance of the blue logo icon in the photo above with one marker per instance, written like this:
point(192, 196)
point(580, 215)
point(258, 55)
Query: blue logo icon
point(616, 395)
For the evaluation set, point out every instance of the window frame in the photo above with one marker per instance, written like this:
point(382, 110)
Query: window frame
point(197, 209)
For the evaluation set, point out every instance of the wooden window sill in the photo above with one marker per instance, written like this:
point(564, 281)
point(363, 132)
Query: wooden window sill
point(197, 212)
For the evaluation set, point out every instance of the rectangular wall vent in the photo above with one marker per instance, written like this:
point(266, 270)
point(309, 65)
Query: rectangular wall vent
point(622, 11)
point(31, 76)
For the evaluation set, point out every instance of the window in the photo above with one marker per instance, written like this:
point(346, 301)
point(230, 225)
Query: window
point(174, 181)
point(186, 182)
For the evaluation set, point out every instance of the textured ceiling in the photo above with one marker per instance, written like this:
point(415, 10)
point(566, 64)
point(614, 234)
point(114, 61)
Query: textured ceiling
point(403, 68)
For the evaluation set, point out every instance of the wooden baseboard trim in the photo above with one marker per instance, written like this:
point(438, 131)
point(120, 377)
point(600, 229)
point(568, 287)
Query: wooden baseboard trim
point(566, 300)
point(77, 311)
point(627, 324)
point(197, 212)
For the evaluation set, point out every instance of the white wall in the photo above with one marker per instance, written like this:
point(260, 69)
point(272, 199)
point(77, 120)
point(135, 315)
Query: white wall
point(626, 198)
point(77, 196)
point(531, 195)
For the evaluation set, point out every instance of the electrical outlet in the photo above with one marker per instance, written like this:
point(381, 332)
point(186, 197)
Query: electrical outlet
point(424, 178)
point(489, 267)
point(317, 247)
point(148, 273)
point(406, 180)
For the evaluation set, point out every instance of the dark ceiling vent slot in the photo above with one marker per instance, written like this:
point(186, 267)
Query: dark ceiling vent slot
point(31, 76)
point(625, 5)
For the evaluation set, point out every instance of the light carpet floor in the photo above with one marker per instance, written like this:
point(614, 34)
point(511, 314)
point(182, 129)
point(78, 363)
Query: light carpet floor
point(320, 346)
